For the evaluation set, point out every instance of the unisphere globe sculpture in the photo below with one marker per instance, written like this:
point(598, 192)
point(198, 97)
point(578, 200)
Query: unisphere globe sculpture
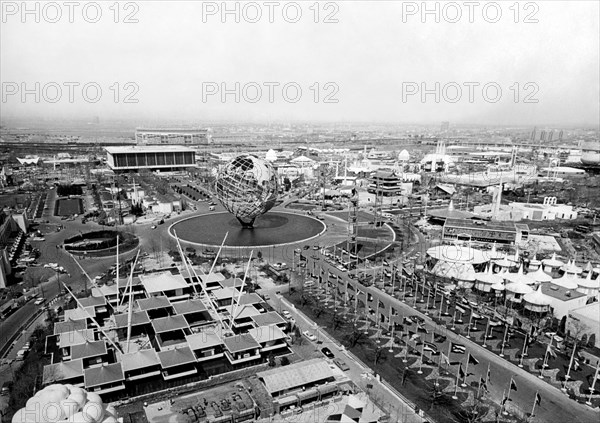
point(247, 187)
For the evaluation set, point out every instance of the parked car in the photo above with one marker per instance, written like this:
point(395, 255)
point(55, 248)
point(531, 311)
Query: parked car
point(286, 314)
point(327, 352)
point(309, 335)
point(341, 364)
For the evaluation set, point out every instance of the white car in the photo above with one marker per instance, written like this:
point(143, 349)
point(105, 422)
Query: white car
point(286, 314)
point(309, 335)
point(153, 227)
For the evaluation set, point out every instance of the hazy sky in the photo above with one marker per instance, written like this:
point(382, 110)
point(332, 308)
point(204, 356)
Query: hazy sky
point(373, 56)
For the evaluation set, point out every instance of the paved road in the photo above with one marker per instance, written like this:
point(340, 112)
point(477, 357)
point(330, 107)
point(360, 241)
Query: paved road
point(361, 375)
point(556, 407)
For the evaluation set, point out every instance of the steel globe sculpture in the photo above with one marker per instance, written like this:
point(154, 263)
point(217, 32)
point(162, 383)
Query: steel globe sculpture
point(247, 187)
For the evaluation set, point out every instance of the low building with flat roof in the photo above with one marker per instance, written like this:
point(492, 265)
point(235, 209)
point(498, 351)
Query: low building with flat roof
point(297, 377)
point(485, 231)
point(160, 157)
point(562, 300)
point(171, 136)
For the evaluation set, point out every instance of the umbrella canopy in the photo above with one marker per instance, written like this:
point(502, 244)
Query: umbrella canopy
point(519, 277)
point(552, 262)
point(588, 282)
point(498, 287)
point(518, 288)
point(536, 297)
point(540, 276)
point(570, 267)
point(488, 277)
point(534, 262)
point(568, 281)
point(504, 262)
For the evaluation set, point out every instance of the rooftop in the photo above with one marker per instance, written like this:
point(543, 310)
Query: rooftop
point(137, 318)
point(62, 371)
point(189, 306)
point(203, 340)
point(92, 301)
point(176, 357)
point(559, 292)
point(267, 333)
point(163, 281)
point(295, 375)
point(148, 149)
point(75, 337)
point(88, 349)
point(240, 342)
point(269, 318)
point(139, 360)
point(153, 303)
point(169, 323)
point(69, 325)
point(107, 373)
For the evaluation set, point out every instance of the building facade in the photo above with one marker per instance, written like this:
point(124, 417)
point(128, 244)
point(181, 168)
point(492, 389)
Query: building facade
point(163, 157)
point(174, 136)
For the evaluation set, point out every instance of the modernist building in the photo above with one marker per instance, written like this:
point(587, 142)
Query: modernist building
point(389, 183)
point(485, 231)
point(172, 336)
point(162, 157)
point(175, 136)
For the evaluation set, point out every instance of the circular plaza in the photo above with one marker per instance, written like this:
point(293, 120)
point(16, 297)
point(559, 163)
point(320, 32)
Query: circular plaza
point(270, 229)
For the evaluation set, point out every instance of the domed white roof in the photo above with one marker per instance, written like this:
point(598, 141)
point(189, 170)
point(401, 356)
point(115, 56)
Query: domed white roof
point(271, 155)
point(536, 297)
point(403, 156)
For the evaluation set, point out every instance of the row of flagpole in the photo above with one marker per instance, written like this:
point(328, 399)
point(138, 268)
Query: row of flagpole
point(483, 383)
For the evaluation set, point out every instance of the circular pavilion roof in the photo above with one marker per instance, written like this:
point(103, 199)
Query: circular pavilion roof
point(540, 276)
point(458, 254)
point(588, 282)
point(568, 281)
point(536, 298)
point(552, 262)
point(518, 288)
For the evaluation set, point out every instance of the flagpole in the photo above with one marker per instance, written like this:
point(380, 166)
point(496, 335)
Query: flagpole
point(509, 386)
point(541, 376)
point(589, 401)
point(523, 352)
point(487, 326)
point(504, 341)
point(469, 326)
point(405, 359)
point(454, 321)
point(479, 388)
point(455, 397)
point(504, 399)
point(567, 376)
point(534, 402)
point(464, 384)
point(420, 371)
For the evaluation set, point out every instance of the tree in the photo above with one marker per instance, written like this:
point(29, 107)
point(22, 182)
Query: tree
point(378, 355)
point(355, 337)
point(285, 361)
point(259, 255)
point(272, 360)
point(298, 336)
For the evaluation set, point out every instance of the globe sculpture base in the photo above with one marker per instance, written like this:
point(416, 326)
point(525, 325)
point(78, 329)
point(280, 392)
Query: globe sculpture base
point(246, 224)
